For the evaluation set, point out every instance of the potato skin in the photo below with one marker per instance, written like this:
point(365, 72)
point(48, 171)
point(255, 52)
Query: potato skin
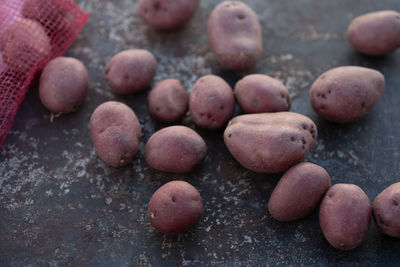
point(168, 101)
point(298, 192)
point(175, 207)
point(25, 40)
point(376, 33)
point(63, 85)
point(115, 132)
point(234, 33)
point(260, 93)
point(176, 149)
point(345, 216)
point(386, 210)
point(270, 142)
point(130, 71)
point(167, 15)
point(346, 94)
point(211, 102)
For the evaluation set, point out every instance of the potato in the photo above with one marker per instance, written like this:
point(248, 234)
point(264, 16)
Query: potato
point(175, 207)
point(49, 13)
point(211, 102)
point(345, 216)
point(63, 85)
point(115, 132)
point(25, 45)
point(130, 71)
point(346, 94)
point(376, 33)
point(234, 33)
point(176, 149)
point(259, 93)
point(298, 192)
point(168, 101)
point(167, 15)
point(386, 210)
point(270, 142)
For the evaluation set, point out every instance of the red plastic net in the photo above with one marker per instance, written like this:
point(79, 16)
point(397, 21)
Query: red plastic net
point(32, 32)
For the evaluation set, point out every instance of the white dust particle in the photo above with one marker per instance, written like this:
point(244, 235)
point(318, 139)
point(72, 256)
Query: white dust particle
point(108, 201)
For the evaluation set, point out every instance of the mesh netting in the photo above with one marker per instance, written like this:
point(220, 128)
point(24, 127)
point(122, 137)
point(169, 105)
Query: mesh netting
point(32, 32)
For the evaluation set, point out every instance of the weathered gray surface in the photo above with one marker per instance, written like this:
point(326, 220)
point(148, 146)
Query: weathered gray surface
point(61, 205)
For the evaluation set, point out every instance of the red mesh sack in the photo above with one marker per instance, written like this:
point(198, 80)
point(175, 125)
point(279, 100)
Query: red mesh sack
point(32, 32)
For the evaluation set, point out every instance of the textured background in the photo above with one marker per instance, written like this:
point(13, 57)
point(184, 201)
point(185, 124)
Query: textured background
point(61, 205)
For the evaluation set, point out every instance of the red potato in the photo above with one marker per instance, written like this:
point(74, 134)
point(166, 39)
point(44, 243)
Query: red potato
point(234, 33)
point(298, 192)
point(259, 93)
point(25, 45)
point(346, 94)
point(115, 132)
point(168, 101)
point(176, 149)
point(49, 13)
point(211, 102)
point(63, 85)
point(345, 216)
point(130, 71)
point(376, 33)
point(175, 207)
point(270, 142)
point(387, 210)
point(167, 15)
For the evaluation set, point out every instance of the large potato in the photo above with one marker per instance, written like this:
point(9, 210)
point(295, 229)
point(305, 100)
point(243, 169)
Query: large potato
point(25, 45)
point(211, 102)
point(63, 85)
point(130, 71)
point(346, 94)
point(376, 33)
point(168, 100)
point(175, 207)
point(176, 149)
point(270, 142)
point(259, 93)
point(167, 15)
point(115, 132)
point(387, 210)
point(298, 192)
point(345, 216)
point(234, 33)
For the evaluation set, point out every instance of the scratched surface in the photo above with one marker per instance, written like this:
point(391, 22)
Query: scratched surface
point(60, 205)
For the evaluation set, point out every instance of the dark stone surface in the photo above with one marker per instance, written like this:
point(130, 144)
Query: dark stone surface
point(60, 205)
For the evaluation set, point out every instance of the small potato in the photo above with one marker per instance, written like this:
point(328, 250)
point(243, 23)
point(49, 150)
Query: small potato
point(63, 85)
point(234, 33)
point(345, 216)
point(387, 210)
point(167, 15)
point(270, 142)
point(130, 71)
point(176, 149)
point(259, 93)
point(25, 45)
point(168, 101)
point(346, 94)
point(115, 132)
point(211, 102)
point(298, 192)
point(175, 207)
point(376, 33)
